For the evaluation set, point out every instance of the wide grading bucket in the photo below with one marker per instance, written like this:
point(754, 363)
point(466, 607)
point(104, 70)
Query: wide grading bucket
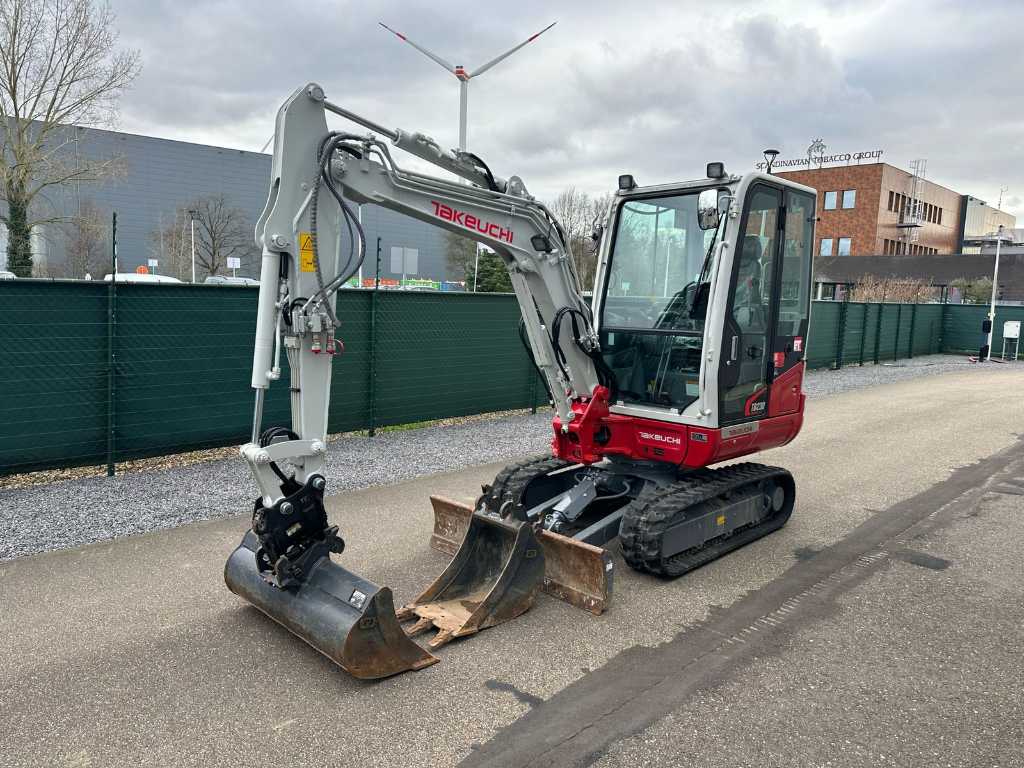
point(347, 618)
point(579, 573)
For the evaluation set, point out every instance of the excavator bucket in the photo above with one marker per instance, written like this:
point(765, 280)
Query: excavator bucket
point(579, 573)
point(348, 619)
point(494, 576)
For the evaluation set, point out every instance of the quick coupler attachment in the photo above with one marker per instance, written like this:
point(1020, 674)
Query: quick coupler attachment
point(283, 567)
point(494, 577)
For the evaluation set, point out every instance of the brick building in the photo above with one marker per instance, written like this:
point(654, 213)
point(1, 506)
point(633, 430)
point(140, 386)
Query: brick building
point(868, 209)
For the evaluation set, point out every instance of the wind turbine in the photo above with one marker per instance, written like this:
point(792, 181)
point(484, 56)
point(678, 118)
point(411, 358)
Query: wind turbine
point(460, 72)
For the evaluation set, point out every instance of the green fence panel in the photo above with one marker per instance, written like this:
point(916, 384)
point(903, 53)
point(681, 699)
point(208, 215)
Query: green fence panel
point(927, 329)
point(890, 318)
point(53, 386)
point(442, 355)
point(184, 360)
point(872, 314)
point(853, 330)
point(350, 372)
point(821, 342)
point(961, 329)
point(183, 355)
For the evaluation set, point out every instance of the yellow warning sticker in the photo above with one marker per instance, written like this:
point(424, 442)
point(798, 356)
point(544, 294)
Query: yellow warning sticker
point(306, 263)
point(720, 520)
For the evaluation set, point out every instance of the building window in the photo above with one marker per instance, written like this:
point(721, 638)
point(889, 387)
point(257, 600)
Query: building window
point(826, 247)
point(849, 198)
point(891, 196)
point(844, 246)
point(830, 200)
point(940, 216)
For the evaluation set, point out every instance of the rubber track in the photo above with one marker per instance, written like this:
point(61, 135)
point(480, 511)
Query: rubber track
point(646, 519)
point(513, 479)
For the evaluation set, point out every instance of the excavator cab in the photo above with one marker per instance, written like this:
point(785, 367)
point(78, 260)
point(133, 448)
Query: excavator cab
point(663, 267)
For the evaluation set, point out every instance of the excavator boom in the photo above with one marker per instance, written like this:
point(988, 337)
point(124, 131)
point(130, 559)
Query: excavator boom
point(283, 565)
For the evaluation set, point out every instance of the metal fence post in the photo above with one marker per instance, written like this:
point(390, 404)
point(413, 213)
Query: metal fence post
point(878, 330)
point(863, 332)
point(896, 341)
point(942, 325)
point(373, 348)
point(111, 354)
point(910, 345)
point(841, 334)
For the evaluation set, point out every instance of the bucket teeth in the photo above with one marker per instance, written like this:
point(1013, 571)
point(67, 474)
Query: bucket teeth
point(419, 627)
point(494, 576)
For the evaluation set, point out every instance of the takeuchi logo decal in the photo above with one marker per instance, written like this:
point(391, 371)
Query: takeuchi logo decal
point(469, 221)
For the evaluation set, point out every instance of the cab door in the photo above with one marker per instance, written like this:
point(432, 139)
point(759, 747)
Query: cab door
point(749, 338)
point(792, 309)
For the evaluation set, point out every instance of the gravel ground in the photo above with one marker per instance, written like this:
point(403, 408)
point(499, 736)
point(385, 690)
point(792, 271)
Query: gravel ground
point(69, 513)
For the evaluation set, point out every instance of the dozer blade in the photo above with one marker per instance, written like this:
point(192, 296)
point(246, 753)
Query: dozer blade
point(348, 619)
point(494, 576)
point(579, 573)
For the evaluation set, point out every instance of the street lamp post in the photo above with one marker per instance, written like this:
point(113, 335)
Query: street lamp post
point(995, 289)
point(192, 218)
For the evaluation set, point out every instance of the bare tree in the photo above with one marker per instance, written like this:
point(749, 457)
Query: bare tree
point(170, 244)
point(58, 67)
point(894, 290)
point(222, 232)
point(460, 253)
point(578, 214)
point(87, 238)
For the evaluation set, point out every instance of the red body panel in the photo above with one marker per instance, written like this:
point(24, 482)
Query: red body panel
point(787, 392)
point(596, 433)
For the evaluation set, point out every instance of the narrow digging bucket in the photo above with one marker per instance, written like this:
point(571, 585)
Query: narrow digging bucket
point(348, 619)
point(579, 573)
point(493, 577)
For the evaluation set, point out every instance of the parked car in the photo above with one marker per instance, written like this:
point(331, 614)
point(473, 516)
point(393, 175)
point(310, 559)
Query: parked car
point(5, 275)
point(135, 277)
point(226, 280)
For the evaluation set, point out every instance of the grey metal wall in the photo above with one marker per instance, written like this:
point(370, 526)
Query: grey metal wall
point(163, 175)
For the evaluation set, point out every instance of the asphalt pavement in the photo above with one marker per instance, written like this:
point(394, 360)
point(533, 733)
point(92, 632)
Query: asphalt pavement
point(882, 625)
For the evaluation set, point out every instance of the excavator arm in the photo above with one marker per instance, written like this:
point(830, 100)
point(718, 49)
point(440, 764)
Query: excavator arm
point(312, 244)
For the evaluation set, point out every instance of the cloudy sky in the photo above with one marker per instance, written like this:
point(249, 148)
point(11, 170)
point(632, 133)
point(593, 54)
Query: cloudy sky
point(653, 88)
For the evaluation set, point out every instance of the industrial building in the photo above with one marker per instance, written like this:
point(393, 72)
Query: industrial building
point(160, 177)
point(877, 208)
point(979, 219)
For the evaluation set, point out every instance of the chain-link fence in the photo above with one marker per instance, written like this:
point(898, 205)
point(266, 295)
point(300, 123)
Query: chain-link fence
point(96, 374)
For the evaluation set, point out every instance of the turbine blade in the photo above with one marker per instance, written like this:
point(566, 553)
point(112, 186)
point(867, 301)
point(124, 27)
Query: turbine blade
point(510, 51)
point(420, 48)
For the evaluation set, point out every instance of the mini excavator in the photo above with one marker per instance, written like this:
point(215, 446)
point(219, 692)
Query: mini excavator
point(689, 354)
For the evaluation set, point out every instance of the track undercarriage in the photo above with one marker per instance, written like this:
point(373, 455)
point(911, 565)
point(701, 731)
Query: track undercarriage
point(668, 521)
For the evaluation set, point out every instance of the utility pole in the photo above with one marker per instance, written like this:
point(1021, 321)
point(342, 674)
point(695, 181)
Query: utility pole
point(476, 266)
